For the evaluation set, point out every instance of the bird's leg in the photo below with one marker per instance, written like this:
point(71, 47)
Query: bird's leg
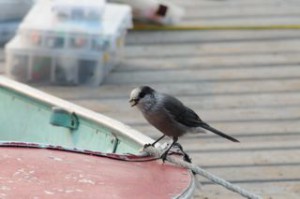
point(186, 157)
point(165, 154)
point(158, 140)
point(153, 144)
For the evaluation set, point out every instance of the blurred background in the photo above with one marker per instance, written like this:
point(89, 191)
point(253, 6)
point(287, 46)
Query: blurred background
point(237, 64)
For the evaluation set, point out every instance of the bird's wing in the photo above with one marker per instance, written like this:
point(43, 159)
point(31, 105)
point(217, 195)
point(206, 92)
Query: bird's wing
point(188, 117)
point(181, 113)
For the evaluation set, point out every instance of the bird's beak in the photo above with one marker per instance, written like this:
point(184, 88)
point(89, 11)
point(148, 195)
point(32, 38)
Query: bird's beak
point(133, 102)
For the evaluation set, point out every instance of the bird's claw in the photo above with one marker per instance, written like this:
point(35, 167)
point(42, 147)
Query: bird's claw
point(147, 145)
point(187, 158)
point(164, 157)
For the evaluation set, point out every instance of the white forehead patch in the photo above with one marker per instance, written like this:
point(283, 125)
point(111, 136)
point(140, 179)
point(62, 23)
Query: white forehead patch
point(135, 93)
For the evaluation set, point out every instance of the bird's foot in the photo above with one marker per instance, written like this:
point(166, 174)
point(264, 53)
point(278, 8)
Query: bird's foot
point(148, 145)
point(186, 157)
point(164, 156)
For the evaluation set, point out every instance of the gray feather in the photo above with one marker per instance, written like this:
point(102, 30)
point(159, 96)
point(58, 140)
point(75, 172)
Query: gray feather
point(186, 116)
point(181, 113)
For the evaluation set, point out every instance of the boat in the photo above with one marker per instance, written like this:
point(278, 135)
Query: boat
point(51, 148)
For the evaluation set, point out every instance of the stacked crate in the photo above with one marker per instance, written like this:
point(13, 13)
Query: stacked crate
point(68, 42)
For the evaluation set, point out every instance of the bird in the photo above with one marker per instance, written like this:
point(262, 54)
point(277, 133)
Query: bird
point(169, 115)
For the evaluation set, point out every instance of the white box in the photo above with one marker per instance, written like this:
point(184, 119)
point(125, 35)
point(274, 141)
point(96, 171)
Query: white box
point(71, 53)
point(77, 10)
point(41, 23)
point(36, 26)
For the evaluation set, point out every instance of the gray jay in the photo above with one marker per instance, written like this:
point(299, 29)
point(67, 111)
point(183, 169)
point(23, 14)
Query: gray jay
point(169, 115)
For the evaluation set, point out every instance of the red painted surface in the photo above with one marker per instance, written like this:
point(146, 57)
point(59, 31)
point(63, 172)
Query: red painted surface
point(42, 173)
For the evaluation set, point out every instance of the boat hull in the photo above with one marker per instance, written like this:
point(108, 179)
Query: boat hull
point(50, 148)
point(42, 173)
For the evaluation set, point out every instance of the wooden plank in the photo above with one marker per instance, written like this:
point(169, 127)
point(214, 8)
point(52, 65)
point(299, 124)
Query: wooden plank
point(276, 190)
point(216, 49)
point(241, 15)
point(166, 37)
point(267, 173)
point(243, 22)
point(232, 147)
point(253, 12)
point(234, 3)
point(199, 76)
point(246, 159)
point(204, 62)
point(213, 89)
point(212, 139)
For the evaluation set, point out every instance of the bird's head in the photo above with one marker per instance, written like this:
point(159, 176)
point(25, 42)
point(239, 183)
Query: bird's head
point(140, 95)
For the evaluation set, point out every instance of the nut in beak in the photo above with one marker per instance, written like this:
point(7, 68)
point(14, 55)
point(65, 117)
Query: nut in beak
point(133, 102)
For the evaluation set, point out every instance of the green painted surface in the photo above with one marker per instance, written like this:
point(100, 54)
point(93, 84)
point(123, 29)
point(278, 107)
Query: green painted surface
point(63, 118)
point(24, 119)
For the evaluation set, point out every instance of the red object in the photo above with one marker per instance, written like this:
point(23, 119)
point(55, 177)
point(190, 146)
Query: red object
point(44, 173)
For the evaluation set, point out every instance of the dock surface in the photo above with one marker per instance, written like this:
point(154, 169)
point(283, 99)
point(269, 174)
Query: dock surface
point(243, 82)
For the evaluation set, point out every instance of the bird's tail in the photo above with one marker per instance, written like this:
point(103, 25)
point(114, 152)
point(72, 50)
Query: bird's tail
point(207, 127)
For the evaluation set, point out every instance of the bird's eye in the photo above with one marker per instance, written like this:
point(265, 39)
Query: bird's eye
point(142, 94)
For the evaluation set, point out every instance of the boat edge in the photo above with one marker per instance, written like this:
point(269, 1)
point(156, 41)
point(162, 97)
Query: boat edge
point(118, 127)
point(189, 191)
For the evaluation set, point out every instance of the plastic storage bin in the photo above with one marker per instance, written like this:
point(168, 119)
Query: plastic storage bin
point(58, 67)
point(67, 52)
point(37, 28)
point(77, 10)
point(41, 26)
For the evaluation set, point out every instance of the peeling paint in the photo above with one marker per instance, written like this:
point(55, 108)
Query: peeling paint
point(56, 158)
point(5, 188)
point(86, 181)
point(124, 157)
point(49, 192)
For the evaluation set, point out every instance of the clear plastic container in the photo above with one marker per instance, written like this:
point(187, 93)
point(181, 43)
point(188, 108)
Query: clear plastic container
point(41, 28)
point(68, 53)
point(78, 10)
point(45, 31)
point(58, 67)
